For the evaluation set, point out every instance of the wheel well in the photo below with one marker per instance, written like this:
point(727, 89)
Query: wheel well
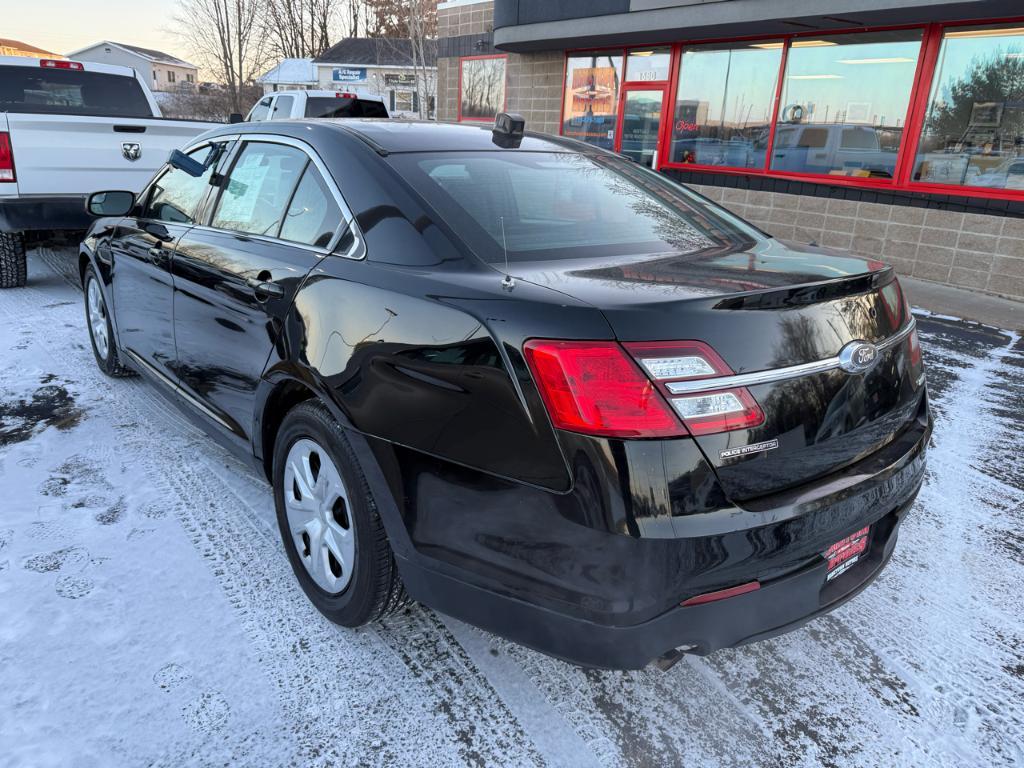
point(282, 399)
point(83, 262)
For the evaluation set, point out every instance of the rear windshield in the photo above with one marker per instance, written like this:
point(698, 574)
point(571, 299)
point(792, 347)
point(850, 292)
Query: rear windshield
point(325, 106)
point(549, 206)
point(70, 92)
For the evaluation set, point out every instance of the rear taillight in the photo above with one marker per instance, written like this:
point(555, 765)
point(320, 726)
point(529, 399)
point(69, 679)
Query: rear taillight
point(594, 388)
point(704, 411)
point(915, 348)
point(60, 64)
point(6, 158)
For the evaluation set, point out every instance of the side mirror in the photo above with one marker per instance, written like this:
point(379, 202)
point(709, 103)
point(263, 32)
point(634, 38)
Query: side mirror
point(118, 203)
point(183, 162)
point(236, 117)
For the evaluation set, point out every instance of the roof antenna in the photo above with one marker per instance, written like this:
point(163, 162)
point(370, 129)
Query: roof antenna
point(507, 282)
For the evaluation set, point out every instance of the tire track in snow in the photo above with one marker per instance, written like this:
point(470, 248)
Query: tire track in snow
point(406, 693)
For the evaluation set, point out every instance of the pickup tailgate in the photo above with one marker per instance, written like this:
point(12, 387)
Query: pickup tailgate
point(77, 155)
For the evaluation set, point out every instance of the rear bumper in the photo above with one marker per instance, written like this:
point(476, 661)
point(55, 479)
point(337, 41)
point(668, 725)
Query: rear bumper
point(29, 214)
point(877, 491)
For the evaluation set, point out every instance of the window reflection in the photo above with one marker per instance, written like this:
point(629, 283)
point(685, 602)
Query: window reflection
point(482, 88)
point(724, 104)
point(648, 64)
point(973, 133)
point(592, 98)
point(844, 103)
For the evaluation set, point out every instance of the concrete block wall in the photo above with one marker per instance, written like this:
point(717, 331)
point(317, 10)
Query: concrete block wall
point(967, 250)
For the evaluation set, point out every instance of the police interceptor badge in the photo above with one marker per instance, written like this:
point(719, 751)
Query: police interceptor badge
point(743, 450)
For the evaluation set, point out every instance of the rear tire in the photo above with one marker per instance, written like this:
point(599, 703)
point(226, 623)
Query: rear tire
point(13, 263)
point(101, 332)
point(330, 526)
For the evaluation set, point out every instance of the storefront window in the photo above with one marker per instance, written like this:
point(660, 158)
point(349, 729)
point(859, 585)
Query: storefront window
point(973, 133)
point(724, 104)
point(844, 103)
point(645, 65)
point(482, 88)
point(591, 105)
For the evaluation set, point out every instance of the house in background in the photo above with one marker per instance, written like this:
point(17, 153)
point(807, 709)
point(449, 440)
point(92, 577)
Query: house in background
point(381, 66)
point(290, 75)
point(18, 48)
point(162, 71)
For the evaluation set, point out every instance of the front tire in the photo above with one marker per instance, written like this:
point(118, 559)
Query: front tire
point(330, 526)
point(101, 332)
point(13, 262)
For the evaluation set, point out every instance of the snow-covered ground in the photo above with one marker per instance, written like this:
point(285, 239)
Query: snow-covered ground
point(148, 615)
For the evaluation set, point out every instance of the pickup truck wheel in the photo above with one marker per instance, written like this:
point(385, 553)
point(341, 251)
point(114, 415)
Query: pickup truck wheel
point(13, 264)
point(101, 332)
point(329, 523)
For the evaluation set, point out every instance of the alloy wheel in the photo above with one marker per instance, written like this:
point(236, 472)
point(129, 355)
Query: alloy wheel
point(97, 318)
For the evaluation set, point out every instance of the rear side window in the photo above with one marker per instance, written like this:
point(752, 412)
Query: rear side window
point(325, 106)
point(255, 197)
point(313, 215)
point(71, 92)
point(176, 195)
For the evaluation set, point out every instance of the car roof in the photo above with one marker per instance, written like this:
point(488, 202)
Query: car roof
point(429, 136)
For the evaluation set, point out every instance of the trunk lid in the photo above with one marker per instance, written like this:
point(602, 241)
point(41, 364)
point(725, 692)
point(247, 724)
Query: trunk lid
point(772, 307)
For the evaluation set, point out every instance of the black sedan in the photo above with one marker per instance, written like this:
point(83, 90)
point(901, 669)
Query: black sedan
point(522, 380)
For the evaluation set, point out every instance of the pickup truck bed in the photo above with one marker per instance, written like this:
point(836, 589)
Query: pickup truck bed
point(68, 129)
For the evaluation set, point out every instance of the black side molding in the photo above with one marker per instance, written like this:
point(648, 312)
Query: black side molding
point(129, 129)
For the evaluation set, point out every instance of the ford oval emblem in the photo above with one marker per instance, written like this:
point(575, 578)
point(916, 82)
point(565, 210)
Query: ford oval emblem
point(857, 356)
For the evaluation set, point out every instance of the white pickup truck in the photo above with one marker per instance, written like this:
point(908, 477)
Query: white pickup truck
point(326, 104)
point(67, 129)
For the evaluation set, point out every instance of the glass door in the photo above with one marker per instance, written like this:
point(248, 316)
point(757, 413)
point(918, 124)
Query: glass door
point(640, 123)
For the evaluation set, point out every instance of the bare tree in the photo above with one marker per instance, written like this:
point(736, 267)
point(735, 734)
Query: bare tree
point(422, 24)
point(299, 29)
point(226, 38)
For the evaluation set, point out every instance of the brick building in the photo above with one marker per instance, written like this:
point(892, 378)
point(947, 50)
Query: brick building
point(892, 128)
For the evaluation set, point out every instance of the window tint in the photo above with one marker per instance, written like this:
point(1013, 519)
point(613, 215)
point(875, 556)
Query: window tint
point(258, 189)
point(973, 132)
point(261, 111)
point(71, 92)
point(835, 85)
point(591, 103)
point(313, 215)
point(325, 106)
point(283, 107)
point(724, 104)
point(549, 206)
point(176, 195)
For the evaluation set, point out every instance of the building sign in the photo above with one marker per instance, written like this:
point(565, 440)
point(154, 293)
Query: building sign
point(349, 74)
point(395, 79)
point(595, 95)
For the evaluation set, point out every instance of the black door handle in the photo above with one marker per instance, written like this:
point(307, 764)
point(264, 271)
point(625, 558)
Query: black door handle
point(265, 289)
point(156, 252)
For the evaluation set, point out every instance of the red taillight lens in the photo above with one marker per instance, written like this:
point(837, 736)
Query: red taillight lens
point(704, 412)
point(60, 64)
point(594, 388)
point(6, 158)
point(915, 348)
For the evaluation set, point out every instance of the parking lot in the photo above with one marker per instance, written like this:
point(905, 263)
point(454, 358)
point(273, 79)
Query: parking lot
point(150, 617)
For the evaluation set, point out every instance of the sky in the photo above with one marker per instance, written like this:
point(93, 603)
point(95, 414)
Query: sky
point(67, 25)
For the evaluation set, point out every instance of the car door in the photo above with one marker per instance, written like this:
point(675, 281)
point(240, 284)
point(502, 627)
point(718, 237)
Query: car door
point(276, 215)
point(283, 106)
point(261, 111)
point(141, 251)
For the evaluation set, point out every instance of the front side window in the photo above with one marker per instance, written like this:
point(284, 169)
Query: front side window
point(552, 206)
point(482, 88)
point(973, 132)
point(262, 110)
point(175, 196)
point(591, 108)
point(724, 104)
point(844, 103)
point(283, 106)
point(255, 197)
point(313, 215)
